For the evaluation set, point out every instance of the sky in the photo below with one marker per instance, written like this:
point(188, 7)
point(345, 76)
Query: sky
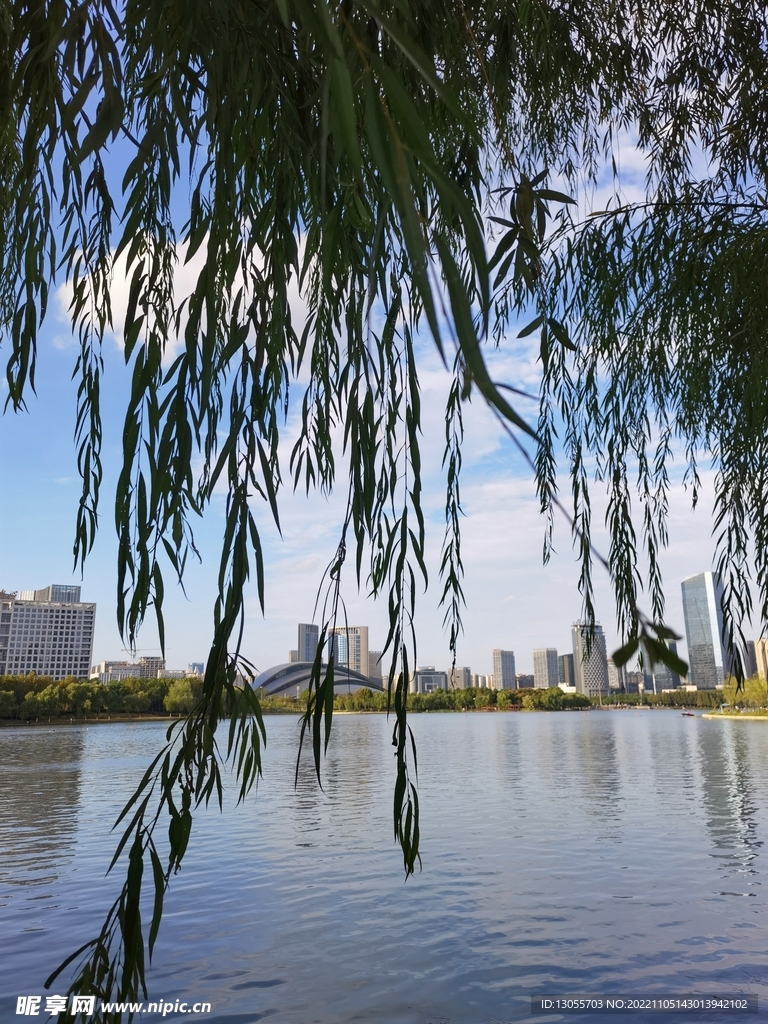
point(513, 601)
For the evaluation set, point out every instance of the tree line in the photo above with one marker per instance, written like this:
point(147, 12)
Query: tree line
point(34, 697)
point(31, 697)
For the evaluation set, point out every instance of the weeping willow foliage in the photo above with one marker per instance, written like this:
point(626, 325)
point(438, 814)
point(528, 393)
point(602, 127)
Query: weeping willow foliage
point(406, 166)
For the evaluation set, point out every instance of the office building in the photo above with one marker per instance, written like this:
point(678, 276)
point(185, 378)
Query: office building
point(616, 677)
point(479, 681)
point(196, 668)
point(664, 678)
point(703, 614)
point(309, 636)
point(293, 657)
point(750, 660)
point(524, 681)
point(113, 671)
point(48, 632)
point(504, 669)
point(151, 668)
point(761, 658)
point(460, 677)
point(590, 661)
point(350, 648)
point(374, 666)
point(565, 671)
point(545, 674)
point(426, 680)
point(634, 682)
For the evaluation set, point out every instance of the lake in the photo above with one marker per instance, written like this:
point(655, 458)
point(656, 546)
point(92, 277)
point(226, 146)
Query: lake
point(600, 852)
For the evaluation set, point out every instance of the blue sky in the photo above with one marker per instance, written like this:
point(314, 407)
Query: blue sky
point(512, 600)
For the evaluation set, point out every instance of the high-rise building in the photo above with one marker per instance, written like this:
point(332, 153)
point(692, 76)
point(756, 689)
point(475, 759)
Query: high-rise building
point(350, 647)
point(293, 656)
point(761, 657)
point(664, 678)
point(565, 671)
point(504, 669)
point(479, 680)
point(49, 632)
point(374, 666)
point(617, 677)
point(196, 668)
point(703, 613)
point(309, 636)
point(750, 660)
point(460, 677)
point(545, 673)
point(523, 681)
point(590, 661)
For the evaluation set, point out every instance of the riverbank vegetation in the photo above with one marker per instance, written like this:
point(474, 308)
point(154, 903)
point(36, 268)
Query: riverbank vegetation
point(32, 698)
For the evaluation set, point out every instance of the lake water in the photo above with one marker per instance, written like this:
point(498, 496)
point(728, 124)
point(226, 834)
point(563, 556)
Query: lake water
point(601, 852)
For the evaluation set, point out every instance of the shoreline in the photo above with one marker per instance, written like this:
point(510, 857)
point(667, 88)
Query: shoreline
point(746, 717)
point(11, 723)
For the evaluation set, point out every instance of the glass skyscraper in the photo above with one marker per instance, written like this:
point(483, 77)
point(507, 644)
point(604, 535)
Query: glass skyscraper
point(702, 610)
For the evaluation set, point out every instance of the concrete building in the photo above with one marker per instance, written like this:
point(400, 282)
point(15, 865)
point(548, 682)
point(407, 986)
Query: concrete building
point(617, 677)
point(113, 671)
point(460, 677)
point(196, 668)
point(48, 632)
point(664, 678)
point(703, 614)
point(750, 660)
point(151, 668)
point(565, 671)
point(761, 658)
point(350, 648)
point(293, 657)
point(524, 681)
point(479, 681)
point(309, 636)
point(590, 661)
point(504, 669)
point(545, 674)
point(374, 666)
point(426, 679)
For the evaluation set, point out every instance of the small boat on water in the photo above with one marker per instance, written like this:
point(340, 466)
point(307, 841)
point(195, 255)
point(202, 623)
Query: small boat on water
point(688, 714)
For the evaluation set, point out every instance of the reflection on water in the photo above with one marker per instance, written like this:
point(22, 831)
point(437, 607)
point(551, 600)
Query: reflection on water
point(39, 794)
point(728, 792)
point(570, 852)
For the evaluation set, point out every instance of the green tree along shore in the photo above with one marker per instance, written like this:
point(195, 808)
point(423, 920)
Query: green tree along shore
point(30, 698)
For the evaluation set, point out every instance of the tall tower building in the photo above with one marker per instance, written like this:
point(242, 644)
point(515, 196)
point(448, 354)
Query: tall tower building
point(617, 677)
point(761, 657)
point(590, 661)
point(504, 669)
point(664, 678)
point(565, 671)
point(703, 613)
point(545, 674)
point(350, 647)
point(49, 632)
point(308, 639)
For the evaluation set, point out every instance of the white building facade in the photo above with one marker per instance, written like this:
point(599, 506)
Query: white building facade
point(48, 632)
point(504, 669)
